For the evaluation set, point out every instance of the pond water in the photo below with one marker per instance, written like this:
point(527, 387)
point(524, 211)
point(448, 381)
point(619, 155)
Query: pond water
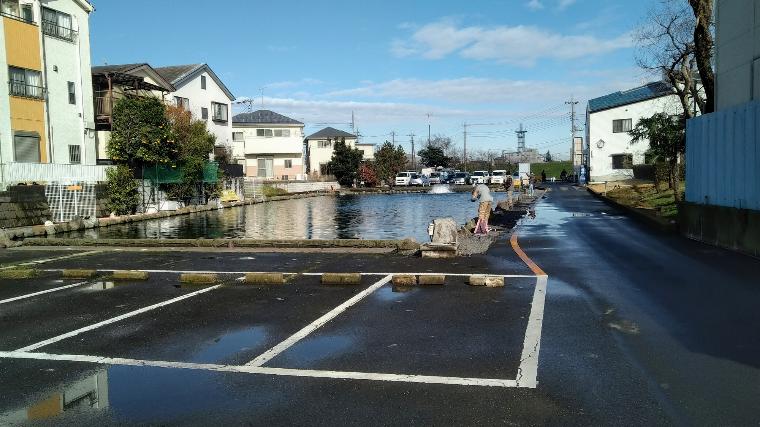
point(379, 216)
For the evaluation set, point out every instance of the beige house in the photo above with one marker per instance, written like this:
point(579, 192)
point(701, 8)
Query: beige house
point(272, 143)
point(320, 146)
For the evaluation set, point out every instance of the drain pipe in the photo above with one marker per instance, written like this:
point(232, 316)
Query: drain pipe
point(45, 90)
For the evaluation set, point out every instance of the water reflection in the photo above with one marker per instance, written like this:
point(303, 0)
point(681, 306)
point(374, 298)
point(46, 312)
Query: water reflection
point(86, 394)
point(325, 217)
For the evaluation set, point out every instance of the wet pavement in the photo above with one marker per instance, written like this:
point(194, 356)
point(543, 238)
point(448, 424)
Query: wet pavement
point(637, 328)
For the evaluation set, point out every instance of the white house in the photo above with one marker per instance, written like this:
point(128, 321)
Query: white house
point(46, 110)
point(272, 144)
point(608, 120)
point(320, 146)
point(199, 90)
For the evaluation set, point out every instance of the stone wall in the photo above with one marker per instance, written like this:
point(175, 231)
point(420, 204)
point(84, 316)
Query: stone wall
point(306, 186)
point(23, 205)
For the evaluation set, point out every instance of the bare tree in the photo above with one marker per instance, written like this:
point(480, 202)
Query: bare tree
point(666, 46)
point(703, 48)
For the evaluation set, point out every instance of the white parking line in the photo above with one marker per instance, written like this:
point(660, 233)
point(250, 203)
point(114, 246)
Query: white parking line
point(310, 373)
point(60, 288)
point(279, 348)
point(114, 319)
point(527, 372)
point(42, 261)
point(110, 270)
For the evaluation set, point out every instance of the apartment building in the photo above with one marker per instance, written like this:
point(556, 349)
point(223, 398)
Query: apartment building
point(47, 130)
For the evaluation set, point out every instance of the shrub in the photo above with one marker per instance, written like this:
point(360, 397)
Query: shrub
point(141, 132)
point(121, 188)
point(368, 175)
point(645, 172)
point(270, 191)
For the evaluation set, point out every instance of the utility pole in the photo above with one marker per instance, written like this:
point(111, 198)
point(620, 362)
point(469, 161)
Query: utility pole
point(572, 103)
point(414, 161)
point(393, 137)
point(428, 129)
point(353, 123)
point(464, 152)
point(262, 97)
point(521, 138)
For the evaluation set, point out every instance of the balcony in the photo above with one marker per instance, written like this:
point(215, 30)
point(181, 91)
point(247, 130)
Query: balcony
point(52, 29)
point(23, 90)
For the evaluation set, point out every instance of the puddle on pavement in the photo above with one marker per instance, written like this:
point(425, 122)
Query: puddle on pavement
point(229, 344)
point(316, 349)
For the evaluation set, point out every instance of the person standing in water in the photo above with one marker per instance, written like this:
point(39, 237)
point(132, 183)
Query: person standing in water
point(482, 193)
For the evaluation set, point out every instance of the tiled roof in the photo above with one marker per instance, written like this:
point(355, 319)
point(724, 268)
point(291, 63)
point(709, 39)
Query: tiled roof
point(330, 132)
point(175, 73)
point(264, 117)
point(121, 68)
point(631, 96)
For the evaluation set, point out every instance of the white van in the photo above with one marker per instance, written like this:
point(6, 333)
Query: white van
point(403, 178)
point(499, 176)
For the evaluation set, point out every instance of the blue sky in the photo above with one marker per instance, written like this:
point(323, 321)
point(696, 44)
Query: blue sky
point(393, 62)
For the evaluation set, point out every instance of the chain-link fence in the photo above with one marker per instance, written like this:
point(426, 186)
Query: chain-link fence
point(69, 200)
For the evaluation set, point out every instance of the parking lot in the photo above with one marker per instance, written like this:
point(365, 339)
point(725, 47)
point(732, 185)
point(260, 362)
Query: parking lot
point(142, 336)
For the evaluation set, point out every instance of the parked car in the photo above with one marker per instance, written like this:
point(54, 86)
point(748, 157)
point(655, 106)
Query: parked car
point(498, 177)
point(480, 177)
point(403, 178)
point(419, 180)
point(461, 178)
point(437, 178)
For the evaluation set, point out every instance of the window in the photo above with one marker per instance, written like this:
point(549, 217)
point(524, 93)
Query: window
point(219, 112)
point(75, 154)
point(183, 103)
point(10, 8)
point(264, 132)
point(622, 161)
point(325, 144)
point(204, 113)
point(26, 83)
point(26, 147)
point(265, 168)
point(203, 82)
point(288, 164)
point(622, 125)
point(237, 136)
point(27, 14)
point(57, 24)
point(72, 93)
point(282, 132)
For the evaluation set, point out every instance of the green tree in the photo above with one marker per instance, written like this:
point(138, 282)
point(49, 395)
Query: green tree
point(141, 133)
point(195, 144)
point(433, 156)
point(667, 141)
point(122, 190)
point(389, 161)
point(548, 156)
point(345, 163)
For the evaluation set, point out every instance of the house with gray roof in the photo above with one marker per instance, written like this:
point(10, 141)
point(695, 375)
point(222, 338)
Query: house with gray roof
point(199, 90)
point(272, 145)
point(320, 146)
point(611, 155)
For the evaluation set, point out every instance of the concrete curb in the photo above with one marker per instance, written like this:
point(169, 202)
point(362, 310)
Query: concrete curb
point(265, 278)
point(198, 279)
point(19, 273)
point(661, 224)
point(402, 245)
point(428, 280)
point(78, 273)
point(487, 281)
point(130, 275)
point(404, 280)
point(341, 279)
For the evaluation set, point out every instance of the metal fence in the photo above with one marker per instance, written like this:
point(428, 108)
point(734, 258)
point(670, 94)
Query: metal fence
point(69, 200)
point(723, 158)
point(14, 173)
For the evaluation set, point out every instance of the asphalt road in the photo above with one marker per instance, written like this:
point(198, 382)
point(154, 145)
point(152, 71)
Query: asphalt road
point(637, 329)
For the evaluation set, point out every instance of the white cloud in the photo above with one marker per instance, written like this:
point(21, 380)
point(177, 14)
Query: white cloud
point(306, 81)
point(518, 45)
point(534, 5)
point(564, 4)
